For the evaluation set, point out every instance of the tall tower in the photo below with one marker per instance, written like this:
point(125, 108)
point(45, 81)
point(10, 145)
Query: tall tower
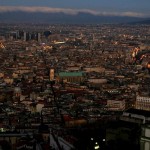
point(51, 75)
point(24, 36)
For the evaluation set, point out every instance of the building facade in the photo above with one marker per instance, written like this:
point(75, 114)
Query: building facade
point(142, 103)
point(116, 105)
point(145, 138)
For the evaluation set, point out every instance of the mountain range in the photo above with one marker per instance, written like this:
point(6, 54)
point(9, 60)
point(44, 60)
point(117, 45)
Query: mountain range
point(80, 18)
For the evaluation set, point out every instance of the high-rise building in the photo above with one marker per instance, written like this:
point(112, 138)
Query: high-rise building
point(39, 37)
point(24, 36)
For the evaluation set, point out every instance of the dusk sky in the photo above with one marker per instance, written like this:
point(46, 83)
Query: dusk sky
point(137, 8)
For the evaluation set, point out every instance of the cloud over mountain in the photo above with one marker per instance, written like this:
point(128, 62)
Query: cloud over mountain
point(68, 11)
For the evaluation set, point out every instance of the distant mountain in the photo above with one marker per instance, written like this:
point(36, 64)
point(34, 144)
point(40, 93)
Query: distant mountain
point(38, 17)
point(147, 21)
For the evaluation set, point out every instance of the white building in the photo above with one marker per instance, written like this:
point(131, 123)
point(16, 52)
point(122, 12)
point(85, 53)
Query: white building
point(136, 116)
point(145, 138)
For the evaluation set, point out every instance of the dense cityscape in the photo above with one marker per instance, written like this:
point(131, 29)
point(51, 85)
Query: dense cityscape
point(74, 87)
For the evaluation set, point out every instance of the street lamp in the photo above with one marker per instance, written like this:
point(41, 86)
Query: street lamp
point(96, 146)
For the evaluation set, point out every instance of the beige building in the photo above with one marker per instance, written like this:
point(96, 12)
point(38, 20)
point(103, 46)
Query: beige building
point(142, 103)
point(116, 105)
point(8, 80)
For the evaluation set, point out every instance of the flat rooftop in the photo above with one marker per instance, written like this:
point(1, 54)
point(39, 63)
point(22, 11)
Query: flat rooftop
point(139, 112)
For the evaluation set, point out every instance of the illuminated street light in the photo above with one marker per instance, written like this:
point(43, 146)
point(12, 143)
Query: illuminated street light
point(96, 146)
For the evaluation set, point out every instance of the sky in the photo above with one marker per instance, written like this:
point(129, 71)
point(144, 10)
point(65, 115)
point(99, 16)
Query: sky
point(136, 8)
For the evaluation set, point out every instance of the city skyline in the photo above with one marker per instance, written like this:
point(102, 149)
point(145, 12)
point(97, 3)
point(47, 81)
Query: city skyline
point(134, 8)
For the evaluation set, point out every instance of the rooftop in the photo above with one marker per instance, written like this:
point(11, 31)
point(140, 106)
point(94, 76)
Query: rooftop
point(139, 112)
point(71, 74)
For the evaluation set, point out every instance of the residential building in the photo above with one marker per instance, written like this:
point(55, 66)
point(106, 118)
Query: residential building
point(116, 105)
point(142, 103)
